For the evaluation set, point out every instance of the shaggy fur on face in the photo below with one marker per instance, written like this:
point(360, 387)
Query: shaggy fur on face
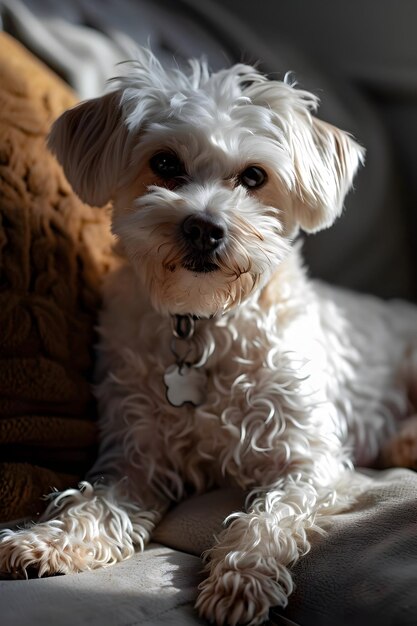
point(211, 178)
point(217, 126)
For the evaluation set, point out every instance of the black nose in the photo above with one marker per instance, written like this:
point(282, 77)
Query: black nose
point(205, 232)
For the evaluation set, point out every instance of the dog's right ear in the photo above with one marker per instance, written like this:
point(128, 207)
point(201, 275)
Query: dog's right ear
point(90, 142)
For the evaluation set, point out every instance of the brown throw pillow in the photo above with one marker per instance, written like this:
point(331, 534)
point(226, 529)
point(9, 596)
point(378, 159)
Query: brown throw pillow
point(54, 251)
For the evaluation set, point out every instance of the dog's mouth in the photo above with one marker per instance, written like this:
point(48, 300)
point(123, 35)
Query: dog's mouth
point(200, 264)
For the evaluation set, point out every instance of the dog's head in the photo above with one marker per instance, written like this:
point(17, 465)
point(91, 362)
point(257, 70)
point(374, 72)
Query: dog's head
point(211, 176)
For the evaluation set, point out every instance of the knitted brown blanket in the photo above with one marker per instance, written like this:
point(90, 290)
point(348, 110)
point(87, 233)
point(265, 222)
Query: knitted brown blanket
point(54, 251)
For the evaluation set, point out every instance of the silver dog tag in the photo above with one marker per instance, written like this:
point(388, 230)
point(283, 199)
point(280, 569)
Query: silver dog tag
point(185, 383)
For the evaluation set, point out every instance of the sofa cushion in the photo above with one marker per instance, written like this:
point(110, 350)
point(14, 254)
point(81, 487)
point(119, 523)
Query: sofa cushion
point(156, 588)
point(362, 572)
point(54, 251)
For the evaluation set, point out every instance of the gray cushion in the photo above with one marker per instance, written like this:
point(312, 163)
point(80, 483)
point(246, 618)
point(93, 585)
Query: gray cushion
point(363, 572)
point(157, 588)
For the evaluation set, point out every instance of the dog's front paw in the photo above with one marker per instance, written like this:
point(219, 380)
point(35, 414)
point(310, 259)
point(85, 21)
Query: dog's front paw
point(239, 597)
point(34, 549)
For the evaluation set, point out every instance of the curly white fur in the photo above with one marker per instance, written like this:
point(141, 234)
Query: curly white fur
point(302, 379)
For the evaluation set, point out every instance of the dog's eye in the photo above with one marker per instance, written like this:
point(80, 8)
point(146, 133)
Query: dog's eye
point(252, 177)
point(166, 165)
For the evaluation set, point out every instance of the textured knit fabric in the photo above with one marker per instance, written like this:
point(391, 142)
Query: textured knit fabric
point(54, 251)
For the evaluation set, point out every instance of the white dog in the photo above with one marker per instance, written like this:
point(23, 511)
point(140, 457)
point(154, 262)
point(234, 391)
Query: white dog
point(220, 362)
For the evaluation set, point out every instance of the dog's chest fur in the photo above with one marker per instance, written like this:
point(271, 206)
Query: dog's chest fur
point(284, 372)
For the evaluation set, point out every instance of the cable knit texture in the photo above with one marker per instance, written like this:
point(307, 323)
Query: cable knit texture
point(54, 251)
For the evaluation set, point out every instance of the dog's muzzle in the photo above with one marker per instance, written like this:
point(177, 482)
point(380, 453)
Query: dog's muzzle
point(204, 235)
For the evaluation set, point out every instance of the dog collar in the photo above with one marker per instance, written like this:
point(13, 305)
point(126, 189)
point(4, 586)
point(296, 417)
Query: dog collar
point(185, 380)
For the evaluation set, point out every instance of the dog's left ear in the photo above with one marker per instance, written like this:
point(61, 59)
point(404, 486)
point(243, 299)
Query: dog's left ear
point(90, 142)
point(325, 161)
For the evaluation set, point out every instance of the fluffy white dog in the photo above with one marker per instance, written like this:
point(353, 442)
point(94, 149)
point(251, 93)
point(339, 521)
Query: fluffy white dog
point(220, 362)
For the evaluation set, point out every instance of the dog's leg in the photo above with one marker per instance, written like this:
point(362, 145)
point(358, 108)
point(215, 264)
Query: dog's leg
point(401, 449)
point(101, 523)
point(248, 567)
point(81, 530)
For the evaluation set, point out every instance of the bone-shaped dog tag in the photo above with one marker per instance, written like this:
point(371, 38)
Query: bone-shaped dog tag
point(185, 383)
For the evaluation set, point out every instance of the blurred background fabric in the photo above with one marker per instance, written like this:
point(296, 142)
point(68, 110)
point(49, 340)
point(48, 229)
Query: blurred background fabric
point(359, 57)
